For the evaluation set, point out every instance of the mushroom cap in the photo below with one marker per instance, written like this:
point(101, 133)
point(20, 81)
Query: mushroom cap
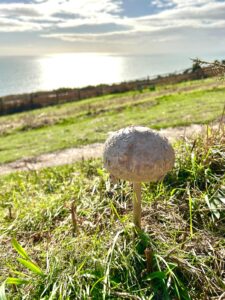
point(138, 154)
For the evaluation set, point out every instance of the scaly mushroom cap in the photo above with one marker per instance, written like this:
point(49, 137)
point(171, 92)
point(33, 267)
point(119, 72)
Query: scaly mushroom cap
point(138, 154)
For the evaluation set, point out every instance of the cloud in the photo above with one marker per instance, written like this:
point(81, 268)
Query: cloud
point(104, 21)
point(70, 13)
point(163, 3)
point(18, 10)
point(64, 13)
point(210, 10)
point(180, 3)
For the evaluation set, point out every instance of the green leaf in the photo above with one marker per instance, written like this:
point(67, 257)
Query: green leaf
point(31, 266)
point(100, 172)
point(16, 281)
point(158, 275)
point(20, 274)
point(20, 249)
point(2, 292)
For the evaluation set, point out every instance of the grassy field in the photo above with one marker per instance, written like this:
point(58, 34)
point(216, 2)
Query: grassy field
point(74, 124)
point(66, 233)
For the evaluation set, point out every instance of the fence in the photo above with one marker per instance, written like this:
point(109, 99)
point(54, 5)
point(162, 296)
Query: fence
point(19, 103)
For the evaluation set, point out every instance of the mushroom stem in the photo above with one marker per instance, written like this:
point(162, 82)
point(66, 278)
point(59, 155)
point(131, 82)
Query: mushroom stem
point(137, 204)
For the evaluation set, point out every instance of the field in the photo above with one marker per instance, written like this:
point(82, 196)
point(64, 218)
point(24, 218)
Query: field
point(88, 121)
point(66, 232)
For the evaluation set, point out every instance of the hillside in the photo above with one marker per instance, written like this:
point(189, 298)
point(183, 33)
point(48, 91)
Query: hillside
point(89, 121)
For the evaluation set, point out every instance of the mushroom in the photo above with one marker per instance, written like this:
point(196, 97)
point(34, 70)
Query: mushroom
point(138, 154)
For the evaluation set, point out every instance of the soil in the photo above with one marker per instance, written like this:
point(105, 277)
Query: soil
point(72, 155)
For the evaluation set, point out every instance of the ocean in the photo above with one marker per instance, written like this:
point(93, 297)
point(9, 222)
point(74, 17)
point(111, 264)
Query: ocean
point(20, 74)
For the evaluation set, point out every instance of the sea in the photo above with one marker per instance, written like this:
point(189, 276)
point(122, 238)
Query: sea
point(20, 74)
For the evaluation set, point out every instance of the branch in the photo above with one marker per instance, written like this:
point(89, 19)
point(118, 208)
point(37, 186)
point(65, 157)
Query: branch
point(217, 66)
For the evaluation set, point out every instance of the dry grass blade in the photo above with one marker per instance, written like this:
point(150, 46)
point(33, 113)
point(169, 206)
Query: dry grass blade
point(74, 218)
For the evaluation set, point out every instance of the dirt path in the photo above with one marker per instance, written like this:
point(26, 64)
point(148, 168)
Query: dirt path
point(72, 155)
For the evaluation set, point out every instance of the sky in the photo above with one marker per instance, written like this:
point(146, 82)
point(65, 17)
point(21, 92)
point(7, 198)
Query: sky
point(132, 27)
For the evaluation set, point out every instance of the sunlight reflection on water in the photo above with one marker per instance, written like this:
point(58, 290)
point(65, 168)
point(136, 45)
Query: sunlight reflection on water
point(70, 70)
point(30, 74)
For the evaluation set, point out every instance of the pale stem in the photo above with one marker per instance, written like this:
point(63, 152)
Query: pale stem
point(137, 204)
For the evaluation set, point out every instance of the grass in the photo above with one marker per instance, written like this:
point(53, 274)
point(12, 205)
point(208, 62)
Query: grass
point(66, 232)
point(88, 121)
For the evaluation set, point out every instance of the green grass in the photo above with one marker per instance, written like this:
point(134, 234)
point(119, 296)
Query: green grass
point(88, 121)
point(183, 231)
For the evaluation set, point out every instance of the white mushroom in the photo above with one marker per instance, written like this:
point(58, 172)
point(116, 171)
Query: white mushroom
point(138, 154)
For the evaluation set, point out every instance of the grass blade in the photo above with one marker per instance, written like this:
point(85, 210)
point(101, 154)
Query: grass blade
point(158, 275)
point(2, 292)
point(19, 249)
point(16, 281)
point(190, 211)
point(31, 266)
